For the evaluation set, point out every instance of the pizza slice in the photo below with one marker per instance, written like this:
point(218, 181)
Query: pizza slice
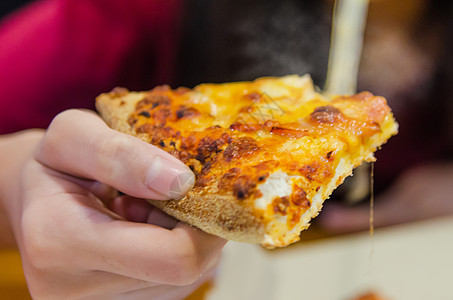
point(266, 153)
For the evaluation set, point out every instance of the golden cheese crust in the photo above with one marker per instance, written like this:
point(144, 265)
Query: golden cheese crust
point(266, 153)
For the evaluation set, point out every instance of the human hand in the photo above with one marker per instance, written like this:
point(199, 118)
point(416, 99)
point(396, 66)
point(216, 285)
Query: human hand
point(71, 226)
point(420, 193)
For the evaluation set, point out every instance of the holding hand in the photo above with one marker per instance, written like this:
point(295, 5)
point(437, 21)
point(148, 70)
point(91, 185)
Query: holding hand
point(71, 226)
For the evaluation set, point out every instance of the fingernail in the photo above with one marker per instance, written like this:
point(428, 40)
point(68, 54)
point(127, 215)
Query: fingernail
point(181, 184)
point(169, 179)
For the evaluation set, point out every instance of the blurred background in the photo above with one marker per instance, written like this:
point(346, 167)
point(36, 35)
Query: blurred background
point(406, 58)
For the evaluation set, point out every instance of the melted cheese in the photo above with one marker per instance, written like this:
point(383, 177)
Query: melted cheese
point(274, 144)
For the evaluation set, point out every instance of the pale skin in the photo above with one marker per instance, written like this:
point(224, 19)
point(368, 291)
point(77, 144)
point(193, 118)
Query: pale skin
point(78, 239)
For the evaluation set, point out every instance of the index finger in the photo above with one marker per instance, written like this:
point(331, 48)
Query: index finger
point(147, 252)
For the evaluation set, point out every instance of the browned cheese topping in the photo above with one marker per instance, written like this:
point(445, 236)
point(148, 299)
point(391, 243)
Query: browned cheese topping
point(232, 143)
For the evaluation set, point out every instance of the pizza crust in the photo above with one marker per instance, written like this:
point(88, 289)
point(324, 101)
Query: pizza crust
point(216, 214)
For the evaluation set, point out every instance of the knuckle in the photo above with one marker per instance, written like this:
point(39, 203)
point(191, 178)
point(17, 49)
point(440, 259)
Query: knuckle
point(65, 121)
point(64, 118)
point(45, 237)
point(55, 133)
point(36, 247)
point(187, 267)
point(114, 144)
point(113, 151)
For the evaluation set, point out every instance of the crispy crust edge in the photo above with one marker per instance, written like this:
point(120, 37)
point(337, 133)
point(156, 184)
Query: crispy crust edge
point(216, 214)
point(219, 215)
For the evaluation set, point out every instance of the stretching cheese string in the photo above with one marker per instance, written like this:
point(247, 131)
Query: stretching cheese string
point(348, 26)
point(345, 46)
point(371, 214)
point(372, 200)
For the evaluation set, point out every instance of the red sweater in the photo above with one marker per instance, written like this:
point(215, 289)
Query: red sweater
point(60, 54)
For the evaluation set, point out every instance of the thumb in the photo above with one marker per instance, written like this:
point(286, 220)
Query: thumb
point(93, 150)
